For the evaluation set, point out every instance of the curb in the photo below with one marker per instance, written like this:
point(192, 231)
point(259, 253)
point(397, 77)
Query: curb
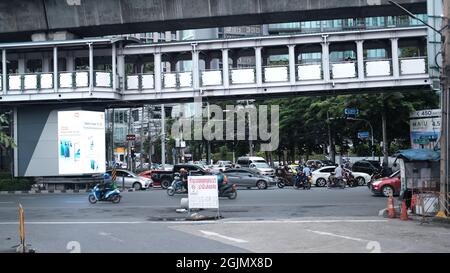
point(45, 192)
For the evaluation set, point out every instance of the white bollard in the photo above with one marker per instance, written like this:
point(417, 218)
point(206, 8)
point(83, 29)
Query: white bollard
point(184, 203)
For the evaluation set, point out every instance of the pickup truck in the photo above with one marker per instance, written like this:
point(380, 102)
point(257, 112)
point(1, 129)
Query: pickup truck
point(164, 178)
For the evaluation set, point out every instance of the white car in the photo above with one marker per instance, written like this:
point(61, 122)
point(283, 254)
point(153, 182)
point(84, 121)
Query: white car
point(320, 176)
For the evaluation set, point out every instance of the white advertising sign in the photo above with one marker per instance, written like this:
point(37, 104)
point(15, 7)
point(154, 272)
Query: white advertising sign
point(81, 142)
point(425, 128)
point(203, 192)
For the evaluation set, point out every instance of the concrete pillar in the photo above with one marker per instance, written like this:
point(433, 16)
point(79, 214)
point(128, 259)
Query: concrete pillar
point(91, 68)
point(70, 62)
point(395, 58)
point(258, 63)
point(292, 64)
point(45, 62)
point(225, 69)
point(158, 72)
point(360, 58)
point(326, 61)
point(21, 64)
point(55, 69)
point(121, 69)
point(114, 66)
point(195, 69)
point(4, 71)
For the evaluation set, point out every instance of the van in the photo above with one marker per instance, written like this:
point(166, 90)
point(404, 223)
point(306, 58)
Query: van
point(258, 163)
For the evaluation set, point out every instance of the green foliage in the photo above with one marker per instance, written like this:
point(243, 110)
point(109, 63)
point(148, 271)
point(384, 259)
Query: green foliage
point(5, 140)
point(8, 183)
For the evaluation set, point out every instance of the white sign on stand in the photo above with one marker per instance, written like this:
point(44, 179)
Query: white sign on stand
point(203, 192)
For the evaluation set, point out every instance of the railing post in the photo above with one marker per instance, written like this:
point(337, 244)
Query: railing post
point(91, 68)
point(225, 69)
point(114, 65)
point(258, 62)
point(326, 61)
point(292, 60)
point(360, 59)
point(395, 58)
point(4, 72)
point(157, 65)
point(195, 67)
point(55, 69)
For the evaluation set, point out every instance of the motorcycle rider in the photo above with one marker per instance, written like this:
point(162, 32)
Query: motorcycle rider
point(338, 173)
point(184, 177)
point(106, 185)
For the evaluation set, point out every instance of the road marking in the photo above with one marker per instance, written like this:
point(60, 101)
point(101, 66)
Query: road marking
point(209, 233)
point(197, 222)
point(6, 202)
point(338, 236)
point(109, 235)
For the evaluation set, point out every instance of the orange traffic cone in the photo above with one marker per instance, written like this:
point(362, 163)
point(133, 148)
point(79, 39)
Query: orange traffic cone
point(404, 216)
point(390, 207)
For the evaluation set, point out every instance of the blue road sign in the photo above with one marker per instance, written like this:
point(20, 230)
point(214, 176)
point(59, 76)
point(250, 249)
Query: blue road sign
point(351, 111)
point(363, 135)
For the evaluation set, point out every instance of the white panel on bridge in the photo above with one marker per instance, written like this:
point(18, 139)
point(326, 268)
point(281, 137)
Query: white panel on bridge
point(276, 74)
point(309, 72)
point(243, 75)
point(378, 68)
point(103, 79)
point(82, 79)
point(132, 82)
point(211, 77)
point(14, 82)
point(1, 83)
point(46, 81)
point(65, 80)
point(344, 70)
point(170, 80)
point(30, 82)
point(148, 82)
point(412, 66)
point(185, 79)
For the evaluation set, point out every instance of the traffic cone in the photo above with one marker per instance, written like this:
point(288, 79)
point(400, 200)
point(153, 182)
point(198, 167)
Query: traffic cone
point(390, 207)
point(404, 216)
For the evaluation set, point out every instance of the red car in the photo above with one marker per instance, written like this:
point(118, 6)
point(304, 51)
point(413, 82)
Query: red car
point(160, 178)
point(387, 185)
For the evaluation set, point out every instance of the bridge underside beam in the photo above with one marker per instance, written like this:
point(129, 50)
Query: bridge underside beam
point(20, 19)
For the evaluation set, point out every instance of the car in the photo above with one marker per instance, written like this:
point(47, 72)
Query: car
point(191, 168)
point(319, 177)
point(245, 161)
point(367, 166)
point(160, 178)
point(387, 185)
point(314, 164)
point(327, 163)
point(249, 178)
point(131, 180)
point(263, 168)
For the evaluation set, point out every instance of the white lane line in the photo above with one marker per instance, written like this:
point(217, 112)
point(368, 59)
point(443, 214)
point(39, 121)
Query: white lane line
point(6, 202)
point(338, 236)
point(236, 240)
point(109, 235)
point(194, 223)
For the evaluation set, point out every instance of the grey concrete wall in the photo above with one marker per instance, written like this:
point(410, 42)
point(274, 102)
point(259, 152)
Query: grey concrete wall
point(103, 17)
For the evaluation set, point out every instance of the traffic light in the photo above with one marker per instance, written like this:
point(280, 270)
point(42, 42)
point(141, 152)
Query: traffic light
point(132, 153)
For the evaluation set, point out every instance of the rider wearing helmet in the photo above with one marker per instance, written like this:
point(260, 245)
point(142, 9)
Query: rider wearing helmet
point(184, 177)
point(107, 184)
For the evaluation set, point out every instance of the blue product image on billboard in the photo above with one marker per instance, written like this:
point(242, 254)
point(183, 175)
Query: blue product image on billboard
point(93, 164)
point(61, 148)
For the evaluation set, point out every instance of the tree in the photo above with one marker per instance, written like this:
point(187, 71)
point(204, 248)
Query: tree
point(6, 141)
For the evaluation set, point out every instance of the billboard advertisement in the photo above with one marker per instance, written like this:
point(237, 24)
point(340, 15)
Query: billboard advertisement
point(203, 192)
point(81, 142)
point(425, 129)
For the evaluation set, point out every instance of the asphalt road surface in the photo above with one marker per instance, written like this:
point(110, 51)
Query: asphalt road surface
point(273, 220)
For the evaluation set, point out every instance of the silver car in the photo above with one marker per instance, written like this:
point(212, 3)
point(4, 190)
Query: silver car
point(249, 178)
point(131, 180)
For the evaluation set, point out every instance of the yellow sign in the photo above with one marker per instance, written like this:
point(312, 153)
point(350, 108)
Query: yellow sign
point(119, 150)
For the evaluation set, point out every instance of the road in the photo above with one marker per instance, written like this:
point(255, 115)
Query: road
point(273, 220)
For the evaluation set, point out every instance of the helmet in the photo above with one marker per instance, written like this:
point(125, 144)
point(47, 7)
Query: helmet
point(106, 176)
point(182, 170)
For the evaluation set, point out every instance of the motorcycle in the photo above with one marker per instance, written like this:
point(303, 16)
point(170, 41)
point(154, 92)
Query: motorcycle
point(303, 182)
point(334, 182)
point(176, 186)
point(112, 195)
point(350, 180)
point(228, 190)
